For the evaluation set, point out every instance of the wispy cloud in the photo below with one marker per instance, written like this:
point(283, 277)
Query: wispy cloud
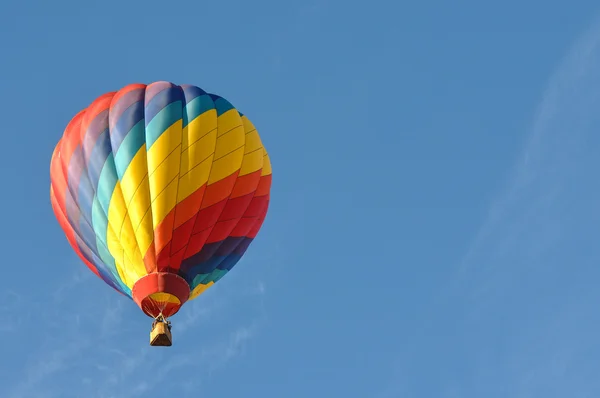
point(92, 341)
point(560, 131)
point(550, 197)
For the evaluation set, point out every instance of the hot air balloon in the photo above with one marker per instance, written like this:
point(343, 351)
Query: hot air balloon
point(160, 189)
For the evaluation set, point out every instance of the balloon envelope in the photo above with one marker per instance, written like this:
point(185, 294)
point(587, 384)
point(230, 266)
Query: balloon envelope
point(160, 189)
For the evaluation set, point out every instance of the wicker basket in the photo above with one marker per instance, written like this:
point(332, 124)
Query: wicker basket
point(160, 336)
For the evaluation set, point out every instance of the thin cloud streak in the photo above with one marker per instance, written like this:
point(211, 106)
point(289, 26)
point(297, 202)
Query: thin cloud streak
point(533, 218)
point(93, 339)
point(559, 132)
point(526, 220)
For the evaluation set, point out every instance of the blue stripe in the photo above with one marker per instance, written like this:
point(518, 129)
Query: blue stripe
point(72, 211)
point(86, 197)
point(98, 125)
point(161, 100)
point(229, 262)
point(208, 267)
point(96, 161)
point(191, 92)
point(130, 118)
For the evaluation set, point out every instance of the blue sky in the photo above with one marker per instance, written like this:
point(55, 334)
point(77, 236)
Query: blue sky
point(434, 223)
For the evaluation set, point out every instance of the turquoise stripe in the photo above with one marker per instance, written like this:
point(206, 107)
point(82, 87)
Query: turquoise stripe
point(197, 107)
point(100, 228)
point(106, 187)
point(198, 280)
point(107, 183)
point(162, 121)
point(205, 279)
point(130, 146)
point(218, 274)
point(222, 106)
point(104, 253)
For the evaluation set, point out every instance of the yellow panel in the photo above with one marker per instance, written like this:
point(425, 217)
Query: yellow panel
point(164, 174)
point(115, 249)
point(194, 179)
point(117, 211)
point(164, 202)
point(198, 290)
point(266, 165)
point(165, 298)
point(121, 240)
point(226, 166)
point(199, 127)
point(228, 121)
point(248, 126)
point(136, 269)
point(198, 152)
point(164, 158)
point(253, 141)
point(135, 182)
point(133, 176)
point(252, 162)
point(164, 145)
point(229, 142)
point(139, 204)
point(145, 233)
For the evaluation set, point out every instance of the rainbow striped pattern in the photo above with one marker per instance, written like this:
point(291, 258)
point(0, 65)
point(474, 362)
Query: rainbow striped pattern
point(160, 178)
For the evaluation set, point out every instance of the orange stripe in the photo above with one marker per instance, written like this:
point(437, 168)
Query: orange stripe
point(218, 191)
point(246, 184)
point(264, 186)
point(187, 208)
point(164, 232)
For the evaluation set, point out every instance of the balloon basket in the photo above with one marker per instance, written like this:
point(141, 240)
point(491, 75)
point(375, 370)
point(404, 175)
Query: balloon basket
point(160, 336)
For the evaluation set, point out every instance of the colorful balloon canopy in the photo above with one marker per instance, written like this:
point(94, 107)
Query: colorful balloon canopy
point(160, 189)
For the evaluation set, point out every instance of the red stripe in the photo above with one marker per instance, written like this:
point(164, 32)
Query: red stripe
point(69, 142)
point(69, 232)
